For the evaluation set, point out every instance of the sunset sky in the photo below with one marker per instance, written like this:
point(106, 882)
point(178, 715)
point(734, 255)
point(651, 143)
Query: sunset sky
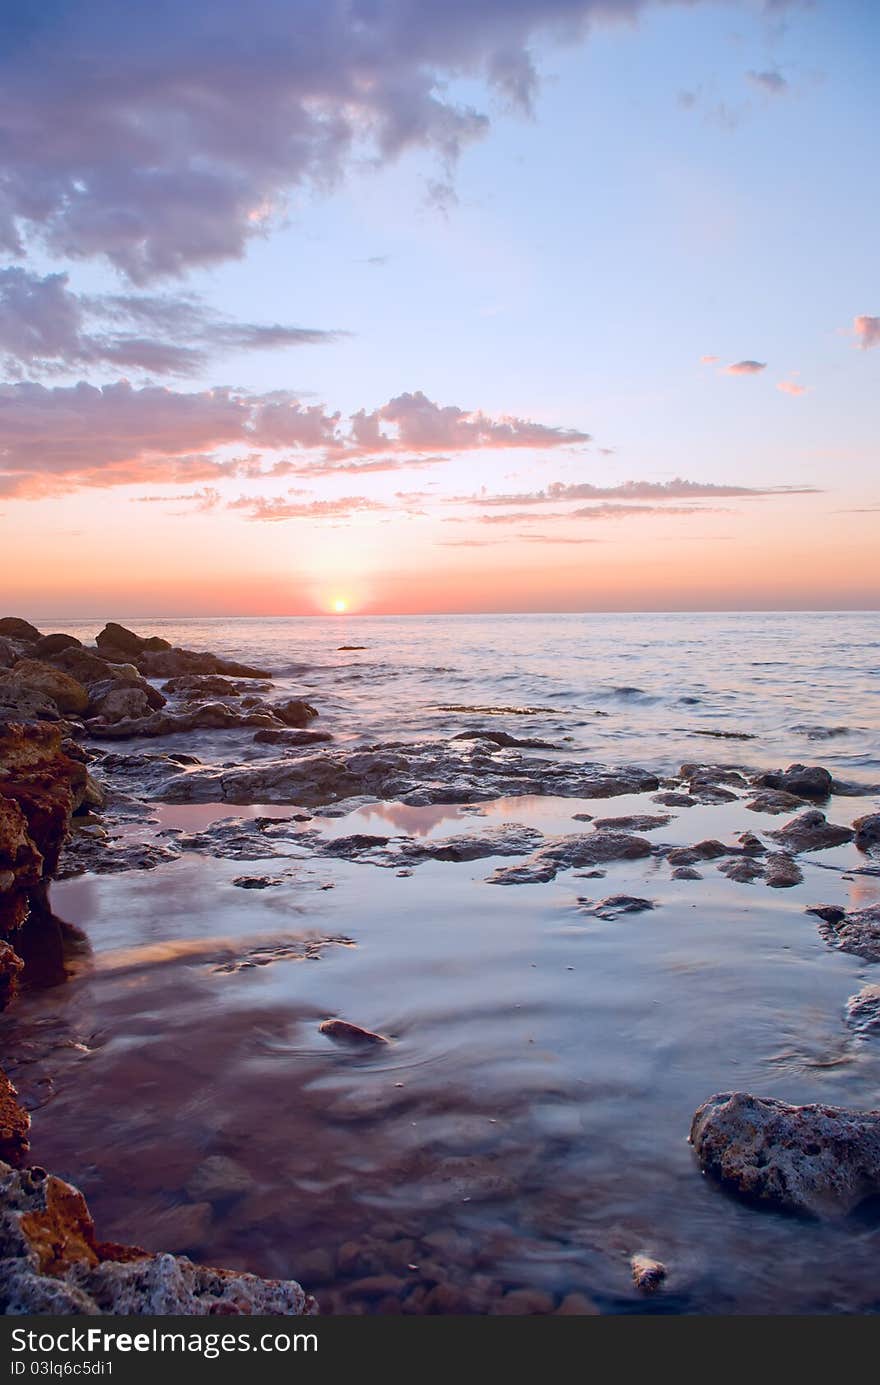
point(424, 306)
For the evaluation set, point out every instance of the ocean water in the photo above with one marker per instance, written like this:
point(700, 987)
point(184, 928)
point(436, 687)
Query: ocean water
point(526, 1126)
point(631, 688)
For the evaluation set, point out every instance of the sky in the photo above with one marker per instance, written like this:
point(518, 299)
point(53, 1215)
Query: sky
point(420, 306)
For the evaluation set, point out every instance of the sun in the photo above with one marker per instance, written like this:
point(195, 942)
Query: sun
point(340, 607)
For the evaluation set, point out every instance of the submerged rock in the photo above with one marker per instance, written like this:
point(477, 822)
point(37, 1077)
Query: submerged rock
point(819, 1159)
point(863, 1011)
point(564, 853)
point(648, 1274)
point(51, 1262)
point(857, 932)
point(343, 1032)
point(781, 872)
point(867, 830)
point(636, 822)
point(614, 905)
point(812, 832)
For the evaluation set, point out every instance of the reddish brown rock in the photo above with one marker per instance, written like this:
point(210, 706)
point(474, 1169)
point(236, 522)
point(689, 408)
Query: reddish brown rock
point(34, 676)
point(15, 1123)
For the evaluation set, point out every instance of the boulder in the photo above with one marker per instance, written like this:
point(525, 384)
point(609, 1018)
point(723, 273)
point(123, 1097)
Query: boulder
point(17, 629)
point(15, 1124)
point(32, 675)
point(823, 1160)
point(857, 932)
point(806, 781)
point(53, 644)
point(863, 1010)
point(52, 1262)
point(45, 782)
point(812, 832)
point(119, 703)
point(117, 637)
point(867, 830)
point(294, 712)
point(343, 1032)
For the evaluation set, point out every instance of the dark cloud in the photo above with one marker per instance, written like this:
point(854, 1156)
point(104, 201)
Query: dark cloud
point(769, 81)
point(745, 368)
point(166, 136)
point(45, 327)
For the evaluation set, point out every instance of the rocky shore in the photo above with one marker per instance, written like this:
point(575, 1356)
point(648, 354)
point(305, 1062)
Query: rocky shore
point(72, 802)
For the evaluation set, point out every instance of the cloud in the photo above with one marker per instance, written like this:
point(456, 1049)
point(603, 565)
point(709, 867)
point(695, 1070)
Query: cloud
point(791, 387)
point(277, 508)
point(770, 81)
point(45, 328)
point(745, 368)
point(657, 492)
point(708, 360)
point(206, 499)
point(598, 512)
point(167, 136)
point(867, 331)
point(56, 439)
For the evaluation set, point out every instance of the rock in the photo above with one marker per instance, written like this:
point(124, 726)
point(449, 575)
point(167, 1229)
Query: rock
point(256, 882)
point(867, 830)
point(708, 850)
point(217, 1179)
point(686, 873)
point(341, 1031)
point(614, 905)
point(773, 801)
point(504, 738)
point(45, 782)
point(51, 1262)
point(25, 704)
point(520, 1302)
point(670, 798)
point(563, 853)
point(291, 738)
point(823, 1160)
point(211, 716)
point(857, 932)
point(53, 644)
point(812, 832)
point(806, 781)
point(11, 965)
point(743, 869)
point(647, 1274)
point(863, 1011)
point(751, 845)
point(172, 663)
point(15, 1124)
point(17, 629)
point(294, 712)
point(202, 685)
point(636, 822)
point(9, 653)
point(21, 871)
point(120, 704)
point(781, 872)
point(117, 637)
point(32, 675)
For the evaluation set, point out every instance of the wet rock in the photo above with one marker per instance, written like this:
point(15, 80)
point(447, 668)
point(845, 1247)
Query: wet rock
point(648, 1274)
point(819, 1159)
point(173, 663)
point(256, 882)
point(117, 637)
point(806, 781)
point(564, 853)
point(750, 844)
point(522, 1302)
point(781, 872)
point(867, 830)
point(52, 1262)
point(17, 629)
point(857, 932)
point(709, 850)
point(294, 712)
point(773, 801)
point(744, 870)
point(343, 1032)
point(11, 965)
point(294, 739)
point(210, 716)
point(686, 873)
point(120, 703)
point(863, 1011)
point(15, 1124)
point(615, 905)
point(202, 685)
point(217, 1179)
point(21, 871)
point(720, 735)
point(636, 822)
point(293, 949)
point(343, 647)
point(705, 776)
point(671, 798)
point(32, 675)
point(812, 832)
point(504, 738)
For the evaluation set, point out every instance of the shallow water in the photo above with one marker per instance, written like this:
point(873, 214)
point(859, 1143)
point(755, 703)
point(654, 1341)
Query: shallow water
point(527, 1124)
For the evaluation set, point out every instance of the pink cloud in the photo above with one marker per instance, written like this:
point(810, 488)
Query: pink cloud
point(745, 368)
point(708, 360)
point(791, 387)
point(277, 508)
point(867, 331)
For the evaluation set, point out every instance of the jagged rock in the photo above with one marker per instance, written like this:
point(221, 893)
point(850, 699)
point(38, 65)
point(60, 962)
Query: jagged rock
point(202, 685)
point(11, 964)
point(686, 873)
point(117, 637)
point(21, 870)
point(32, 675)
point(863, 1011)
point(614, 905)
point(45, 782)
point(708, 850)
point(751, 845)
point(563, 853)
point(17, 629)
point(812, 832)
point(817, 1159)
point(648, 1274)
point(294, 712)
point(52, 1262)
point(120, 704)
point(671, 798)
point(122, 678)
point(172, 663)
point(9, 653)
point(857, 932)
point(211, 716)
point(53, 644)
point(504, 738)
point(867, 830)
point(781, 872)
point(806, 781)
point(744, 870)
point(342, 1031)
point(15, 1124)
